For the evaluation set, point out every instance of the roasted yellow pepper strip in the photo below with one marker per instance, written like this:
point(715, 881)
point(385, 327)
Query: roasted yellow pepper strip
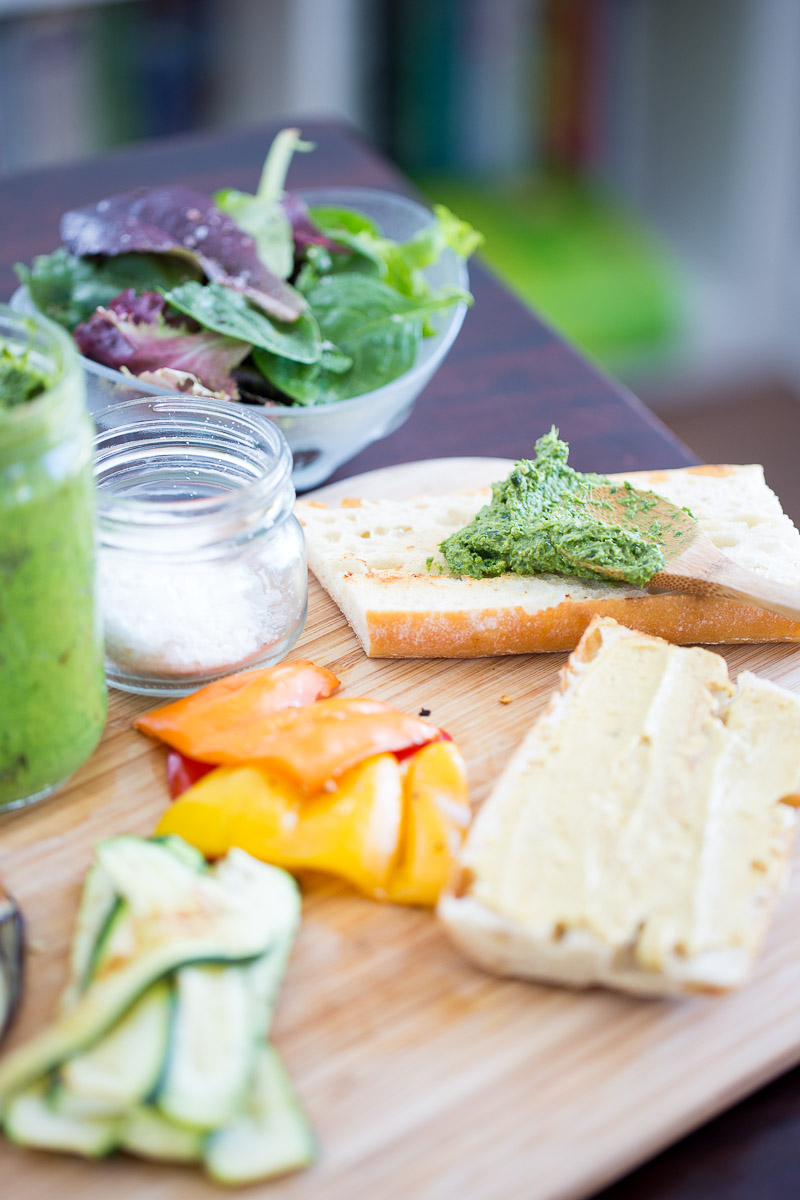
point(437, 815)
point(392, 838)
point(352, 831)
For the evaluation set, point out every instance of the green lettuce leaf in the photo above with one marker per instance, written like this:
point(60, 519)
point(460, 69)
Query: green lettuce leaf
point(398, 264)
point(263, 215)
point(447, 232)
point(267, 224)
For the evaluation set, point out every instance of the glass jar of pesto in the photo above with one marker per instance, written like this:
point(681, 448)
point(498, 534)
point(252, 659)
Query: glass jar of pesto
point(52, 692)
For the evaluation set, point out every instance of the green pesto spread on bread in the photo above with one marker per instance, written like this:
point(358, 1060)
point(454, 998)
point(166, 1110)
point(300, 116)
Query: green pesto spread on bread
point(540, 521)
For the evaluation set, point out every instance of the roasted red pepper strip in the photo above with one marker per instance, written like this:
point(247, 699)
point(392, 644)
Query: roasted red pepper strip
point(409, 750)
point(196, 724)
point(183, 772)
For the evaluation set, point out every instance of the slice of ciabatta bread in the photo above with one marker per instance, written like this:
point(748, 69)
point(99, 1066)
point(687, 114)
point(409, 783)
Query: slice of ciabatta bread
point(640, 835)
point(372, 557)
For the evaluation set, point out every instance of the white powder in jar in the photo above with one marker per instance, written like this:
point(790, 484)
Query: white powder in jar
point(171, 619)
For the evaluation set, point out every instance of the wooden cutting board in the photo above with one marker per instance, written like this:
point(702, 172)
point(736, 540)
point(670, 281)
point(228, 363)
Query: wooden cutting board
point(423, 1077)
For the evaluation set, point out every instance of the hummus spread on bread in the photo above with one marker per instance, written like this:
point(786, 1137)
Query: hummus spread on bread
point(642, 813)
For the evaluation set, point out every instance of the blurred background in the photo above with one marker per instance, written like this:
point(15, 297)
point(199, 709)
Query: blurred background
point(634, 164)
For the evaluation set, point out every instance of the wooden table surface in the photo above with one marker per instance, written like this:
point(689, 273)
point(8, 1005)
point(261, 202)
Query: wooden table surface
point(506, 380)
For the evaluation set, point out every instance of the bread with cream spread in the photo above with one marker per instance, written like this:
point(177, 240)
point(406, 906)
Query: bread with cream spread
point(379, 560)
point(639, 836)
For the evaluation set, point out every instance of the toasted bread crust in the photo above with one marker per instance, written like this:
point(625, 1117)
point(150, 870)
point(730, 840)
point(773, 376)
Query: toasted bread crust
point(682, 619)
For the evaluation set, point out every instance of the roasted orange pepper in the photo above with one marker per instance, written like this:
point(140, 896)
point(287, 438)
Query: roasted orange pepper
point(197, 724)
point(436, 818)
point(353, 831)
point(317, 743)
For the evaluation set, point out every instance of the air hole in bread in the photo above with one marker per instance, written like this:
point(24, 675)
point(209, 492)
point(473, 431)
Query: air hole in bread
point(722, 538)
point(387, 563)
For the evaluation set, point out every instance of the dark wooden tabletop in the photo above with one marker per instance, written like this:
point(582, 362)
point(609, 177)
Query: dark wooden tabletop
point(506, 380)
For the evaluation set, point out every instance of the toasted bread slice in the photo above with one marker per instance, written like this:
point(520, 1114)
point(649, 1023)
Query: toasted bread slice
point(380, 561)
point(640, 835)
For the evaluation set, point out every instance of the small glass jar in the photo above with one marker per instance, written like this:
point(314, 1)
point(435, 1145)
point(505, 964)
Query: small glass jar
point(202, 561)
point(52, 694)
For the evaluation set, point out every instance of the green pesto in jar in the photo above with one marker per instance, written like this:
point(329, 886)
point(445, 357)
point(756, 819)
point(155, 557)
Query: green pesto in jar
point(19, 381)
point(52, 691)
point(539, 522)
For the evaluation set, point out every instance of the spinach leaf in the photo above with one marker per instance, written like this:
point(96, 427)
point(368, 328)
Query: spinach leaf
point(369, 249)
point(307, 385)
point(354, 231)
point(218, 308)
point(263, 215)
point(375, 326)
point(320, 262)
point(68, 289)
point(335, 360)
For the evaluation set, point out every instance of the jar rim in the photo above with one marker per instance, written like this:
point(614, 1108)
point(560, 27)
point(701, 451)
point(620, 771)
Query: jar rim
point(184, 424)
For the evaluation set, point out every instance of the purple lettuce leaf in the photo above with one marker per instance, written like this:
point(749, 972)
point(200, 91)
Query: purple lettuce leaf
point(148, 308)
point(135, 333)
point(305, 231)
point(179, 220)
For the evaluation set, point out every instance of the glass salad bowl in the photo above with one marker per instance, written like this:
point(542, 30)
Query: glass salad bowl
point(324, 436)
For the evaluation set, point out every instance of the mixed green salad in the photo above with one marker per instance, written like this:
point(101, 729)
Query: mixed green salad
point(252, 297)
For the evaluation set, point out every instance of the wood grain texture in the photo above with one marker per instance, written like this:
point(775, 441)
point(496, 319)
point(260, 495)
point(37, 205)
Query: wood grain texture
point(422, 1076)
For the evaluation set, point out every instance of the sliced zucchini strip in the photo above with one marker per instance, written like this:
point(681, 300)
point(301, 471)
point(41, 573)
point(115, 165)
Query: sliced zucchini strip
point(150, 877)
point(270, 888)
point(124, 1067)
point(266, 976)
point(271, 1138)
point(99, 902)
point(184, 851)
point(220, 938)
point(98, 912)
point(70, 1105)
point(222, 1014)
point(31, 1120)
point(211, 1056)
point(160, 1050)
point(149, 1134)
